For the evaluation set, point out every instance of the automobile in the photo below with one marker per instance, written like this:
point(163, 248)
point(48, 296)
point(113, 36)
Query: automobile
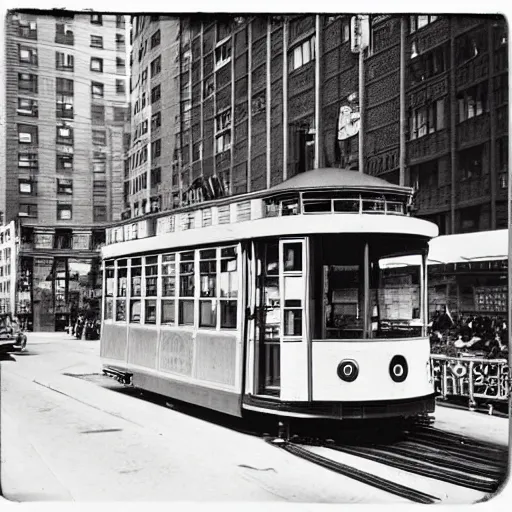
point(12, 338)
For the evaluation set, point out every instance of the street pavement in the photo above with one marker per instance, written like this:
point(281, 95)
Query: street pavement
point(65, 438)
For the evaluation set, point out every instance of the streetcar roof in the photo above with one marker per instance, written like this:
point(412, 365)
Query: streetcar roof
point(332, 178)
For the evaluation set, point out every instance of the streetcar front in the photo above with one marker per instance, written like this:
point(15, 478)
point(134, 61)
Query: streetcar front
point(341, 305)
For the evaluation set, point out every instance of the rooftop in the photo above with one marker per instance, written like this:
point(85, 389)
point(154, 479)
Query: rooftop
point(326, 178)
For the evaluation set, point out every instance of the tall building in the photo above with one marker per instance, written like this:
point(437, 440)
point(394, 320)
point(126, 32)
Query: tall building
point(66, 104)
point(154, 94)
point(262, 98)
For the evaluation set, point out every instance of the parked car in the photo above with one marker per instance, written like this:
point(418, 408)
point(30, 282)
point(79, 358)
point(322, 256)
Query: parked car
point(12, 338)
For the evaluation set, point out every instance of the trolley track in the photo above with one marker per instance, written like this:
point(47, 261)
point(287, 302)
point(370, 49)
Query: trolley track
point(359, 475)
point(421, 450)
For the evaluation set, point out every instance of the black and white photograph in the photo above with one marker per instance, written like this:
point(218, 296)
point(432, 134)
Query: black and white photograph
point(254, 258)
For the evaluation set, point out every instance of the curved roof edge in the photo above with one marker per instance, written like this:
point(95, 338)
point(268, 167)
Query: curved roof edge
point(330, 177)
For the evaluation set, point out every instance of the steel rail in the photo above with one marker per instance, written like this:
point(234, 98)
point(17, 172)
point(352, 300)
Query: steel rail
point(356, 474)
point(423, 468)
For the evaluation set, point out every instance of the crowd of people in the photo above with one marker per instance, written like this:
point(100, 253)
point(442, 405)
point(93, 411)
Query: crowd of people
point(484, 336)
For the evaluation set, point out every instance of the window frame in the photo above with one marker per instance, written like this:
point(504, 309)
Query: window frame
point(62, 207)
point(97, 42)
point(96, 60)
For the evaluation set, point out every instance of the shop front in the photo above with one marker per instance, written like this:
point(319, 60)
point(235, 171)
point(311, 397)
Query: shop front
point(468, 310)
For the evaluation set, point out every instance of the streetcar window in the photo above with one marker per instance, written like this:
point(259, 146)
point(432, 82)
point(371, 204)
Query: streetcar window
point(228, 273)
point(109, 282)
point(150, 312)
point(151, 275)
point(121, 310)
point(168, 275)
point(109, 309)
point(136, 278)
point(292, 257)
point(228, 314)
point(187, 276)
point(208, 288)
point(228, 287)
point(168, 312)
point(135, 306)
point(122, 280)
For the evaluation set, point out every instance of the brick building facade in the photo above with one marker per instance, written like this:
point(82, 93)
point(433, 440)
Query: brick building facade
point(260, 99)
point(65, 110)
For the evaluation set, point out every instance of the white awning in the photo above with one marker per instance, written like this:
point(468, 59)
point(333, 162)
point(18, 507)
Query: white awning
point(464, 248)
point(481, 246)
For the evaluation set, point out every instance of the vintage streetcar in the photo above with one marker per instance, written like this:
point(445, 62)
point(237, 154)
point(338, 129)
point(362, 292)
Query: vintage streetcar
point(307, 300)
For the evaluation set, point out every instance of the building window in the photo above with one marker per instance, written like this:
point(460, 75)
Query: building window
point(98, 114)
point(27, 82)
point(120, 86)
point(502, 154)
point(27, 29)
point(186, 289)
point(419, 21)
point(120, 42)
point(99, 213)
point(96, 41)
point(156, 66)
point(65, 135)
point(65, 86)
point(27, 134)
point(156, 120)
point(64, 34)
point(223, 131)
point(97, 89)
point(472, 102)
point(197, 151)
point(99, 137)
point(65, 106)
point(28, 210)
point(99, 190)
point(302, 54)
point(120, 21)
point(26, 187)
point(208, 87)
point(64, 162)
point(97, 64)
point(427, 65)
point(64, 186)
point(427, 119)
point(27, 55)
point(120, 65)
point(156, 176)
point(64, 212)
point(96, 19)
point(99, 168)
point(155, 39)
point(155, 94)
point(156, 148)
point(27, 107)
point(471, 162)
point(470, 45)
point(222, 54)
point(28, 161)
point(119, 114)
point(64, 61)
point(345, 30)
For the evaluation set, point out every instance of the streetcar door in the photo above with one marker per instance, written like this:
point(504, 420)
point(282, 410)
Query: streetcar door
point(281, 355)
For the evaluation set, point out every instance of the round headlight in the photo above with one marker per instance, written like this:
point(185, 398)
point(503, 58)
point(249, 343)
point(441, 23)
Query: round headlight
point(348, 370)
point(398, 368)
